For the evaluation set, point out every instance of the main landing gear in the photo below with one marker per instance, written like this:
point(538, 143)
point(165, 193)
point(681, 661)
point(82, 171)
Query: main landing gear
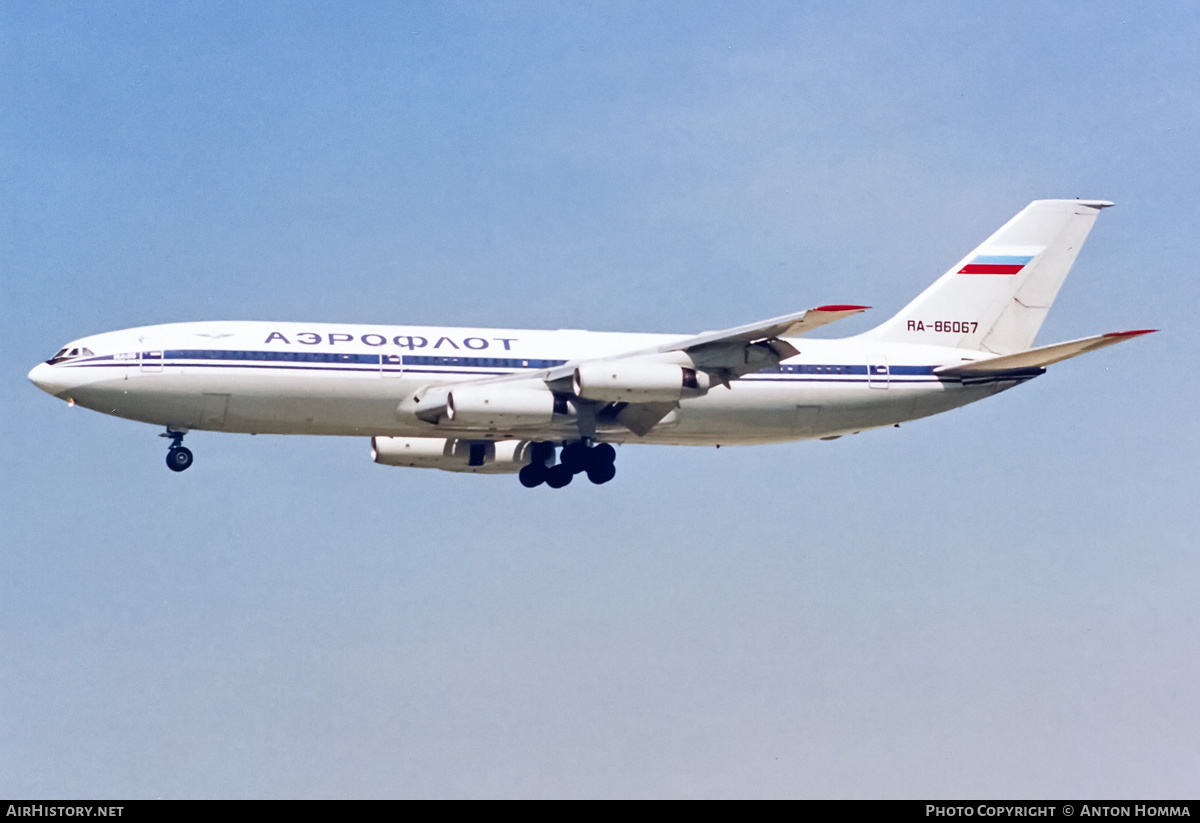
point(577, 457)
point(179, 457)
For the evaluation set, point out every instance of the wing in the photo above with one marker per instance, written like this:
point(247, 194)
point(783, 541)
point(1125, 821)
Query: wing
point(789, 325)
point(640, 388)
point(636, 389)
point(732, 350)
point(1040, 357)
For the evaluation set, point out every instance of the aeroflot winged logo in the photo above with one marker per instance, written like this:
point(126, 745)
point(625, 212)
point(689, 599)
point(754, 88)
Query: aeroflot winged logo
point(996, 264)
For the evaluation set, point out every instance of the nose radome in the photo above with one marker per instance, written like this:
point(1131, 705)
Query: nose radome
point(45, 377)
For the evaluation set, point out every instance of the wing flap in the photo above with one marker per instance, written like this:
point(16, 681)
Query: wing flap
point(640, 418)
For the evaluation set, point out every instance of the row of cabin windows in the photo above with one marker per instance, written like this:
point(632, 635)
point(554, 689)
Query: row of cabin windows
point(807, 369)
point(407, 360)
point(369, 359)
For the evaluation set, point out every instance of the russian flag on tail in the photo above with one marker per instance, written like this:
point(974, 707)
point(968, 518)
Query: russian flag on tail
point(996, 264)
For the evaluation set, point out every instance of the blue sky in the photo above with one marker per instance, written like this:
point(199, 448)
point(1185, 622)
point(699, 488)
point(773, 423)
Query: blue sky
point(998, 602)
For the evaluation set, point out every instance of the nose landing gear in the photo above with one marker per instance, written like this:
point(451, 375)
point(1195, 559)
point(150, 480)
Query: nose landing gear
point(179, 457)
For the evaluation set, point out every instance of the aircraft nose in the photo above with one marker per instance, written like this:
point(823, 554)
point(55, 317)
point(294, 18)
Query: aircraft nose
point(47, 378)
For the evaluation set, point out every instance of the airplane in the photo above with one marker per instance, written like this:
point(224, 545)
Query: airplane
point(549, 405)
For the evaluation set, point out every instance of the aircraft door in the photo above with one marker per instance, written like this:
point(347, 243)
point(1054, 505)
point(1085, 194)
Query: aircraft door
point(151, 356)
point(878, 373)
point(391, 365)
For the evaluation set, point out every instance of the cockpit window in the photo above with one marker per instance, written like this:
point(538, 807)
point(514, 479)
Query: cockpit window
point(68, 353)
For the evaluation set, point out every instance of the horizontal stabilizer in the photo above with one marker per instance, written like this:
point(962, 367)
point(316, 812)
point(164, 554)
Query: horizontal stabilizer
point(1041, 356)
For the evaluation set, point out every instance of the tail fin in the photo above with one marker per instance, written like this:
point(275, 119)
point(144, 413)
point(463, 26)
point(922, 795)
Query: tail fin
point(996, 298)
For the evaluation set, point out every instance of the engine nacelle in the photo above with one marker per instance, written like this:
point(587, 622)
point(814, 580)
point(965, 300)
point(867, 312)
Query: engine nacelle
point(499, 405)
point(630, 381)
point(452, 455)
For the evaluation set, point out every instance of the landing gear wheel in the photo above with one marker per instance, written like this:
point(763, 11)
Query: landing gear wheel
point(575, 457)
point(601, 454)
point(532, 476)
point(602, 473)
point(179, 458)
point(558, 476)
point(541, 453)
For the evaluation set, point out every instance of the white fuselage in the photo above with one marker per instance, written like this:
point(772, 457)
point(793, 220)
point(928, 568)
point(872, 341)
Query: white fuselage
point(326, 379)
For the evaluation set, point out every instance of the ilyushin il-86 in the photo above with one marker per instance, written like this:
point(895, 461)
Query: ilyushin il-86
point(549, 405)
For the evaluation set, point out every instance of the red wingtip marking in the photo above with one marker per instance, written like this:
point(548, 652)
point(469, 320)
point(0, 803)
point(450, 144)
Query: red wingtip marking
point(1133, 333)
point(841, 308)
point(977, 268)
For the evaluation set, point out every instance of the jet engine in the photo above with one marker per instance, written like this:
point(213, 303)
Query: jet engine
point(631, 381)
point(499, 405)
point(452, 455)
